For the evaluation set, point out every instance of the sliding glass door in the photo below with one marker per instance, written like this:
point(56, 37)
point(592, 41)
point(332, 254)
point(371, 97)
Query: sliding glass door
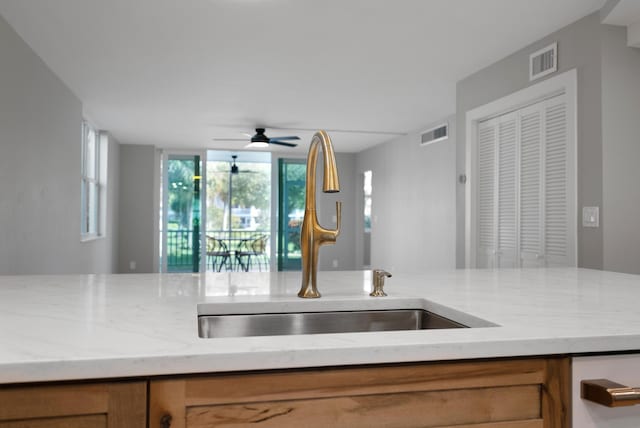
point(292, 177)
point(183, 217)
point(238, 208)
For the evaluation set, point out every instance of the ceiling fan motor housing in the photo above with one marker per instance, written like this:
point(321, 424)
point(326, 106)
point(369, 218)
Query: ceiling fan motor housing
point(234, 167)
point(260, 137)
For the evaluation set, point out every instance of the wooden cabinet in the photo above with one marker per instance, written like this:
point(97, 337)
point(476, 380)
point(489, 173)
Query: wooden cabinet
point(526, 393)
point(94, 405)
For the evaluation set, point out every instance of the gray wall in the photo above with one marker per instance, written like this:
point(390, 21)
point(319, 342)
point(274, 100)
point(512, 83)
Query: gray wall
point(344, 250)
point(578, 47)
point(621, 151)
point(138, 221)
point(40, 170)
point(413, 203)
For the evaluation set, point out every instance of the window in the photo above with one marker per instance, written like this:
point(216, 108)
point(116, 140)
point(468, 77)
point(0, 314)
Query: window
point(367, 189)
point(93, 183)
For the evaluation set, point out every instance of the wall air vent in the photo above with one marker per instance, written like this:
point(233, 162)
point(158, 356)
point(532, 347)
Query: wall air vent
point(432, 135)
point(543, 62)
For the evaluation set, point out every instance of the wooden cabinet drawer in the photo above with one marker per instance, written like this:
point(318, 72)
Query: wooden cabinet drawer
point(530, 393)
point(108, 405)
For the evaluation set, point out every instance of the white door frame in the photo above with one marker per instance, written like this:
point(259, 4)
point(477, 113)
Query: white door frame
point(563, 83)
point(203, 198)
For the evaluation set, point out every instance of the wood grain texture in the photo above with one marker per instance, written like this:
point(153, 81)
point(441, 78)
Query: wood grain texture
point(225, 389)
point(167, 398)
point(118, 404)
point(93, 421)
point(525, 393)
point(127, 405)
point(411, 409)
point(556, 397)
point(532, 423)
point(51, 401)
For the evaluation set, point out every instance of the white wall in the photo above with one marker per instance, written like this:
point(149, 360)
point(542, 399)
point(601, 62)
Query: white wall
point(621, 151)
point(40, 120)
point(138, 209)
point(414, 203)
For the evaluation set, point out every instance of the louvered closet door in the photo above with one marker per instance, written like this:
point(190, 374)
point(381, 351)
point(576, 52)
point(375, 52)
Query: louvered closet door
point(526, 188)
point(531, 207)
point(486, 223)
point(559, 189)
point(507, 191)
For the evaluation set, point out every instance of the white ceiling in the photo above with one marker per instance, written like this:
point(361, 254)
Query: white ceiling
point(177, 73)
point(623, 12)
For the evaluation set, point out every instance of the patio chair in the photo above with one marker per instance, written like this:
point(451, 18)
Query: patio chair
point(253, 252)
point(218, 253)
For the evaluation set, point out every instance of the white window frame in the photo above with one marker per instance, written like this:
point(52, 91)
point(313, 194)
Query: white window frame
point(92, 218)
point(563, 83)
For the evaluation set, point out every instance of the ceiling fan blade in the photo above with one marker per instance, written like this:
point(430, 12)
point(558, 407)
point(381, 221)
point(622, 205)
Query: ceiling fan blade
point(229, 139)
point(290, 137)
point(281, 143)
point(248, 135)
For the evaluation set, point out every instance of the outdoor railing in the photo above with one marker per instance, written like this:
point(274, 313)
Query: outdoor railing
point(180, 246)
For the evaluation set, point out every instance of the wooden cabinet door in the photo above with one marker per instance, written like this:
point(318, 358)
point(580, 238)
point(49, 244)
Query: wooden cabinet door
point(103, 405)
point(531, 393)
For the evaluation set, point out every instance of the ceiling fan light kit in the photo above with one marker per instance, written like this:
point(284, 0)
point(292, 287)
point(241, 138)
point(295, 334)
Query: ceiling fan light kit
point(256, 145)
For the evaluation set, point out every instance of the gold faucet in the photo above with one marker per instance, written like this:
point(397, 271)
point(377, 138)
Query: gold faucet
point(313, 235)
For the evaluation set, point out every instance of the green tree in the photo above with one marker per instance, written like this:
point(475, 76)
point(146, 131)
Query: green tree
point(296, 173)
point(180, 196)
point(251, 187)
point(217, 192)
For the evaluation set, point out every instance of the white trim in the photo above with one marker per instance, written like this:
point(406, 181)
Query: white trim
point(98, 182)
point(563, 83)
point(158, 182)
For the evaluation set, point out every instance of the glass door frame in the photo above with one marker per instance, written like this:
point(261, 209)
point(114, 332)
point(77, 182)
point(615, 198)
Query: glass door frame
point(283, 215)
point(165, 202)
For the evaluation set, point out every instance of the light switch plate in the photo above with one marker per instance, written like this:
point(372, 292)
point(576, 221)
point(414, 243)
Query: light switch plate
point(590, 216)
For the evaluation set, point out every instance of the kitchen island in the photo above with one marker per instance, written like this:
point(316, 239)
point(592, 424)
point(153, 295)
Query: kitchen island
point(64, 328)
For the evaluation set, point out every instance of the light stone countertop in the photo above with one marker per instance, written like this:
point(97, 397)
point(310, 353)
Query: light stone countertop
point(107, 326)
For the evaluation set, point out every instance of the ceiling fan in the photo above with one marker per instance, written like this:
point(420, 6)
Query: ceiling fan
point(235, 169)
point(260, 140)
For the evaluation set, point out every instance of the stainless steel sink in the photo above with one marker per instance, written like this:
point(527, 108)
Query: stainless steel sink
point(277, 324)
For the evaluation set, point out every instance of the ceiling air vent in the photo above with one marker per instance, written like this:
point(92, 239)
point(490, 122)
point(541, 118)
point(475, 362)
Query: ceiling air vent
point(543, 62)
point(432, 135)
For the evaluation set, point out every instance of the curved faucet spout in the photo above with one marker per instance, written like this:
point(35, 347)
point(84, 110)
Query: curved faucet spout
point(313, 235)
point(331, 184)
